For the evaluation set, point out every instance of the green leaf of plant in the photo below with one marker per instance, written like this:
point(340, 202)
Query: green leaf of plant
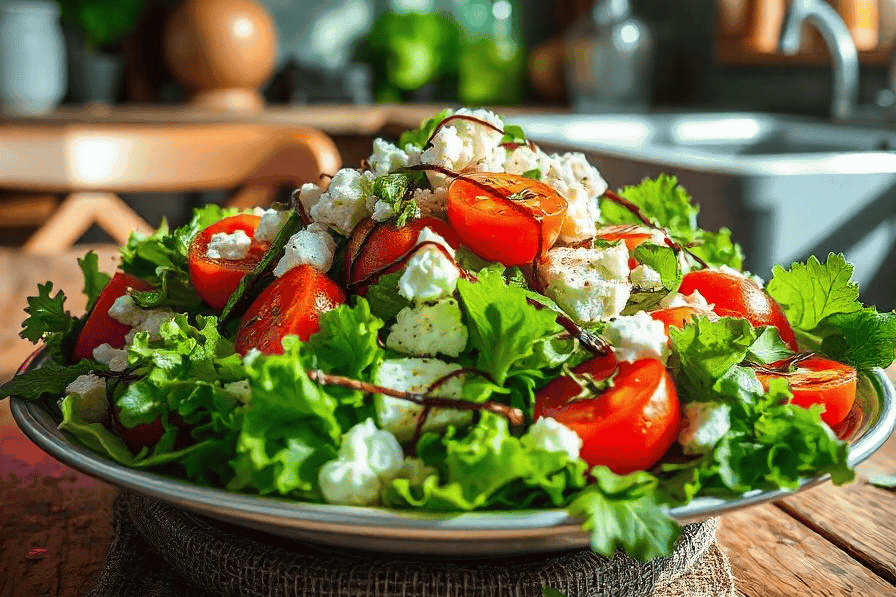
point(663, 260)
point(94, 279)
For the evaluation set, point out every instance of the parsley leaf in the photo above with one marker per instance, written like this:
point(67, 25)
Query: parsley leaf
point(50, 378)
point(810, 292)
point(622, 512)
point(94, 279)
point(49, 321)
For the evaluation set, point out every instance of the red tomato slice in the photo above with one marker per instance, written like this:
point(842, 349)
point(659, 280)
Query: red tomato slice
point(505, 217)
point(739, 296)
point(677, 317)
point(140, 436)
point(627, 428)
point(216, 279)
point(380, 247)
point(100, 328)
point(291, 305)
point(820, 381)
point(631, 235)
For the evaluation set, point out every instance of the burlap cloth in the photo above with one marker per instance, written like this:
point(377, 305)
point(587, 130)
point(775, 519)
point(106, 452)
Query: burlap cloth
point(160, 551)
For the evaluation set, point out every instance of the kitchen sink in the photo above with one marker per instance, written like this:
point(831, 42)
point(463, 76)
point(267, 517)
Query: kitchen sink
point(787, 187)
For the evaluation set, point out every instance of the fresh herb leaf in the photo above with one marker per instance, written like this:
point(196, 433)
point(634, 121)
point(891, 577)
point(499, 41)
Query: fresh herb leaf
point(502, 324)
point(48, 321)
point(810, 292)
point(768, 347)
point(622, 512)
point(94, 279)
point(550, 592)
point(663, 260)
point(385, 301)
point(396, 191)
point(50, 378)
point(534, 174)
point(662, 200)
point(863, 339)
point(514, 134)
point(421, 134)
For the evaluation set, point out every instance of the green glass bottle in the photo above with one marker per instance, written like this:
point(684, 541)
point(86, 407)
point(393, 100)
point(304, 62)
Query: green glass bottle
point(492, 63)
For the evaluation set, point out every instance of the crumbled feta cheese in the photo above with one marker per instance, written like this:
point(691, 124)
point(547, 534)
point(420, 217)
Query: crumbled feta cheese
point(269, 224)
point(466, 145)
point(427, 235)
point(429, 329)
point(116, 359)
point(703, 426)
point(311, 246)
point(91, 403)
point(345, 202)
point(551, 435)
point(695, 300)
point(367, 458)
point(581, 184)
point(234, 246)
point(646, 278)
point(349, 482)
point(589, 284)
point(524, 159)
point(241, 389)
point(432, 203)
point(415, 375)
point(428, 275)
point(637, 337)
point(125, 310)
point(376, 447)
point(309, 196)
point(386, 157)
point(382, 211)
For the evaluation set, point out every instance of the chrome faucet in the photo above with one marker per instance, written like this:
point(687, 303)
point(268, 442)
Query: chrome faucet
point(836, 36)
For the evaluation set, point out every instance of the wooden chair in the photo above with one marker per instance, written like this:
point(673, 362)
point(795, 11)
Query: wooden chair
point(90, 164)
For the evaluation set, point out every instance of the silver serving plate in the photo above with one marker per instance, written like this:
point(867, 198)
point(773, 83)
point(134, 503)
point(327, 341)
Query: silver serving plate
point(493, 533)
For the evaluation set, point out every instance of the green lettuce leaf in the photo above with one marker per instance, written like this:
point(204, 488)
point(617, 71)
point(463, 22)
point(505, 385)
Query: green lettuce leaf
point(94, 279)
point(663, 260)
point(385, 302)
point(51, 378)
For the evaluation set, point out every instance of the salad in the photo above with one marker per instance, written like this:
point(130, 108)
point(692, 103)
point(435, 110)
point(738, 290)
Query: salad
point(463, 323)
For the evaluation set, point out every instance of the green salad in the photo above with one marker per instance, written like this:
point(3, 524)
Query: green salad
point(465, 322)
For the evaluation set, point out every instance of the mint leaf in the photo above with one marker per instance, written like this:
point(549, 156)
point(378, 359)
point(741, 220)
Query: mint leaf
point(94, 279)
point(810, 292)
point(503, 325)
point(622, 512)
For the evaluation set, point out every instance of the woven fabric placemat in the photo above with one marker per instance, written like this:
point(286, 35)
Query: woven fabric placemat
point(161, 551)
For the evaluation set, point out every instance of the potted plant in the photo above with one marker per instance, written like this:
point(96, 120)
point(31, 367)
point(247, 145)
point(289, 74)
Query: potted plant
point(94, 29)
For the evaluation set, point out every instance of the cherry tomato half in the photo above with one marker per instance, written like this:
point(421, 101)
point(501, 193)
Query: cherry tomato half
point(505, 217)
point(100, 328)
point(216, 279)
point(140, 436)
point(291, 305)
point(738, 296)
point(630, 426)
point(377, 247)
point(820, 381)
point(675, 317)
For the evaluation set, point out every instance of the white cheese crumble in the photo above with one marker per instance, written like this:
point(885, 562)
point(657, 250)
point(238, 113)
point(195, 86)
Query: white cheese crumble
point(581, 185)
point(310, 246)
point(382, 211)
point(152, 322)
point(309, 196)
point(694, 300)
point(432, 203)
point(703, 425)
point(90, 397)
point(427, 235)
point(386, 157)
point(589, 284)
point(344, 204)
point(428, 275)
point(234, 246)
point(116, 359)
point(415, 375)
point(367, 458)
point(466, 145)
point(427, 330)
point(551, 435)
point(125, 310)
point(636, 337)
point(269, 224)
point(646, 278)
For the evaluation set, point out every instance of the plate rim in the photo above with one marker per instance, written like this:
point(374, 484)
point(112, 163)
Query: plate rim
point(279, 512)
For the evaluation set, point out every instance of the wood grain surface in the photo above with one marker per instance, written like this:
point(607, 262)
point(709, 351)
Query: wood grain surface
point(55, 524)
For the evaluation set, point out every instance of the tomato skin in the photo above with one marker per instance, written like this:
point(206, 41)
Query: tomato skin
point(216, 279)
point(739, 296)
point(100, 327)
point(144, 435)
point(627, 428)
point(374, 247)
point(820, 381)
point(498, 229)
point(290, 305)
point(677, 317)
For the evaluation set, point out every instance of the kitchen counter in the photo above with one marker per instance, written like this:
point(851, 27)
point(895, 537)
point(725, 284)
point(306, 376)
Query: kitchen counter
point(56, 523)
